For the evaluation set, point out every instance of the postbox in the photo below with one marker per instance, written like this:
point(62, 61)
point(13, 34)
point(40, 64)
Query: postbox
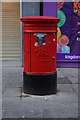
point(40, 46)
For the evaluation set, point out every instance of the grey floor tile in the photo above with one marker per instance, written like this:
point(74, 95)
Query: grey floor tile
point(75, 87)
point(65, 88)
point(10, 103)
point(11, 92)
point(10, 114)
point(69, 110)
point(11, 63)
point(60, 74)
point(63, 104)
point(12, 77)
point(30, 107)
point(0, 114)
point(60, 109)
point(71, 73)
point(64, 97)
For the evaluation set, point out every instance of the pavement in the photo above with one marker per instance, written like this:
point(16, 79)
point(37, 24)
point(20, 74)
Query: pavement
point(62, 105)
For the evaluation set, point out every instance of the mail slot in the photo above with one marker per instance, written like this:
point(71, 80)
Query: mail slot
point(40, 46)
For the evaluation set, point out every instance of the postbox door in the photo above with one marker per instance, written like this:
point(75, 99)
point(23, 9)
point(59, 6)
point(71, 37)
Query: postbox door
point(41, 52)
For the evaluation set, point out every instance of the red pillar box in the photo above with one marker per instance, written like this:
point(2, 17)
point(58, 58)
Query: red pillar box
point(40, 43)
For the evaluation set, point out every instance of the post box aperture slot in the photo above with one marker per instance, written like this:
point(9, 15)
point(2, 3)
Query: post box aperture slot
point(40, 38)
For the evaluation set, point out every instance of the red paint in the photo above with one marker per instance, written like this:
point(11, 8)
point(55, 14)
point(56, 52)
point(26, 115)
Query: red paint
point(41, 58)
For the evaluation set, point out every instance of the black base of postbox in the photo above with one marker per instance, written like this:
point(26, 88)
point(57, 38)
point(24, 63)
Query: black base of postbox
point(40, 84)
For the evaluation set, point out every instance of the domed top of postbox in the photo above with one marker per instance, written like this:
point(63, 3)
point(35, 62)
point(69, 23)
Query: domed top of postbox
point(40, 18)
point(40, 23)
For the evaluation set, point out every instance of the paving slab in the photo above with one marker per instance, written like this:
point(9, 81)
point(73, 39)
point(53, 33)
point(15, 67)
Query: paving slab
point(11, 63)
point(72, 74)
point(60, 73)
point(61, 111)
point(31, 108)
point(10, 92)
point(75, 87)
point(53, 104)
point(12, 77)
point(10, 103)
point(64, 80)
point(10, 114)
point(65, 88)
point(0, 114)
point(64, 104)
